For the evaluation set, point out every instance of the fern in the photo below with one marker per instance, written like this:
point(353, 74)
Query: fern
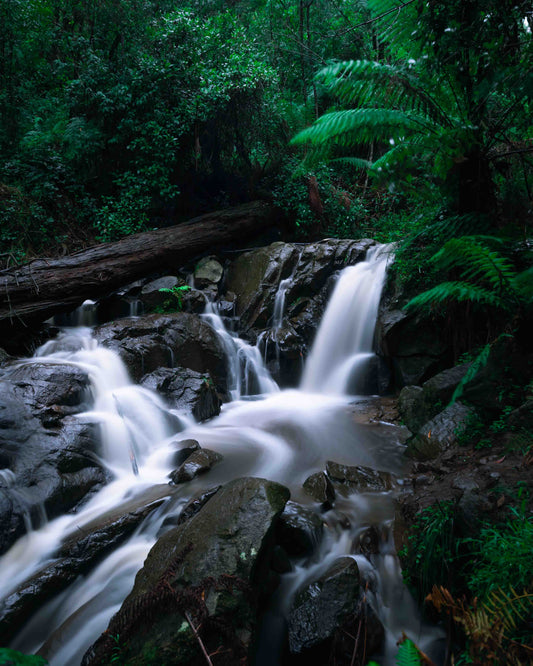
point(487, 278)
point(479, 362)
point(408, 654)
point(511, 608)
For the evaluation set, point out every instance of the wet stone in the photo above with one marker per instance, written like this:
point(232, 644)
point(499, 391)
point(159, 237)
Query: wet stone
point(359, 478)
point(199, 462)
point(192, 508)
point(185, 448)
point(299, 530)
point(319, 487)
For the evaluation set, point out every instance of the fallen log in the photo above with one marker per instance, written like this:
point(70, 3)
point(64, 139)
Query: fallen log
point(33, 292)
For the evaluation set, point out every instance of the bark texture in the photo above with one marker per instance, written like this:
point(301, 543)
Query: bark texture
point(33, 292)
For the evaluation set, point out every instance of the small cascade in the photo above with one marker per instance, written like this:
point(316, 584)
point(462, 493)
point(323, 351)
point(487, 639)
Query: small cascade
point(247, 373)
point(284, 436)
point(342, 349)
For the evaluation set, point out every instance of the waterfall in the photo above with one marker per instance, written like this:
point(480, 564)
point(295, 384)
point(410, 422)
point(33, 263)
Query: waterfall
point(247, 373)
point(343, 344)
point(284, 436)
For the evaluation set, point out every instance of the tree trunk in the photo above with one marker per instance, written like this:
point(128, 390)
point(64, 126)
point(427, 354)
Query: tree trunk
point(33, 292)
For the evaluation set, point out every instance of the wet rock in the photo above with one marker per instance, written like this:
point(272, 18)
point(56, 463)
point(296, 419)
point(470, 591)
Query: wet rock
point(368, 541)
point(319, 487)
point(417, 405)
point(185, 448)
point(47, 459)
point(439, 434)
point(280, 562)
point(255, 276)
point(194, 506)
point(152, 297)
point(324, 609)
point(185, 390)
point(362, 479)
point(414, 345)
point(75, 558)
point(199, 462)
point(208, 272)
point(193, 300)
point(154, 341)
point(52, 391)
point(522, 417)
point(300, 530)
point(211, 566)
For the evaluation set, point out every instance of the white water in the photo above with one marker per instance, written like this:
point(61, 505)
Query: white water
point(343, 344)
point(286, 436)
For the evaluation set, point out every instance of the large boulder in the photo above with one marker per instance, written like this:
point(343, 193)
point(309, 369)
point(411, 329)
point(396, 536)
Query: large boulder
point(207, 573)
point(326, 613)
point(185, 390)
point(414, 345)
point(154, 341)
point(439, 434)
point(47, 456)
point(417, 405)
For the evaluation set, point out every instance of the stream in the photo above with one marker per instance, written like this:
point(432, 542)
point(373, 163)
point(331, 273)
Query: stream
point(281, 435)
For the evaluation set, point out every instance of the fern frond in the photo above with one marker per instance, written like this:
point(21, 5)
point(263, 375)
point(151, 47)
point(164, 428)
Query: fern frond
point(479, 362)
point(345, 129)
point(366, 83)
point(523, 285)
point(408, 654)
point(355, 162)
point(454, 291)
point(512, 608)
point(481, 263)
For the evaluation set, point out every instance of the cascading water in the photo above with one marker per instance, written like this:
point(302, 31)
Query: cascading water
point(286, 436)
point(343, 344)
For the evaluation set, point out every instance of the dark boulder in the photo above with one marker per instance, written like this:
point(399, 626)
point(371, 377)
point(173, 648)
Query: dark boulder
point(326, 613)
point(155, 341)
point(207, 573)
point(300, 530)
point(358, 478)
point(185, 390)
point(439, 434)
point(319, 487)
point(414, 346)
point(47, 456)
point(417, 405)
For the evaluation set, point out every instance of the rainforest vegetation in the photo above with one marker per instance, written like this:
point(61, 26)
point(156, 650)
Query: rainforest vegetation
point(403, 121)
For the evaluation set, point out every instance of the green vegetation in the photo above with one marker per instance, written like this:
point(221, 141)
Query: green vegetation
point(14, 658)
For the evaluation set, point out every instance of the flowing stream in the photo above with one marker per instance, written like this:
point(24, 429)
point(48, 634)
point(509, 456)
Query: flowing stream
point(280, 435)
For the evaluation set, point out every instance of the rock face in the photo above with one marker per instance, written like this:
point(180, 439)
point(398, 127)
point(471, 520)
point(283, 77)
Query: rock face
point(199, 462)
point(417, 405)
point(47, 460)
point(255, 278)
point(208, 572)
point(154, 341)
point(327, 611)
point(185, 390)
point(358, 478)
point(413, 345)
point(437, 435)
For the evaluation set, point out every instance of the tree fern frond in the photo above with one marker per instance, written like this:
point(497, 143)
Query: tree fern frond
point(454, 291)
point(523, 285)
point(353, 126)
point(355, 162)
point(479, 362)
point(479, 261)
point(364, 82)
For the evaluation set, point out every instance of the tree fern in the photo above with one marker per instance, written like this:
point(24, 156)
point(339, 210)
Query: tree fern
point(487, 277)
point(479, 362)
point(408, 654)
